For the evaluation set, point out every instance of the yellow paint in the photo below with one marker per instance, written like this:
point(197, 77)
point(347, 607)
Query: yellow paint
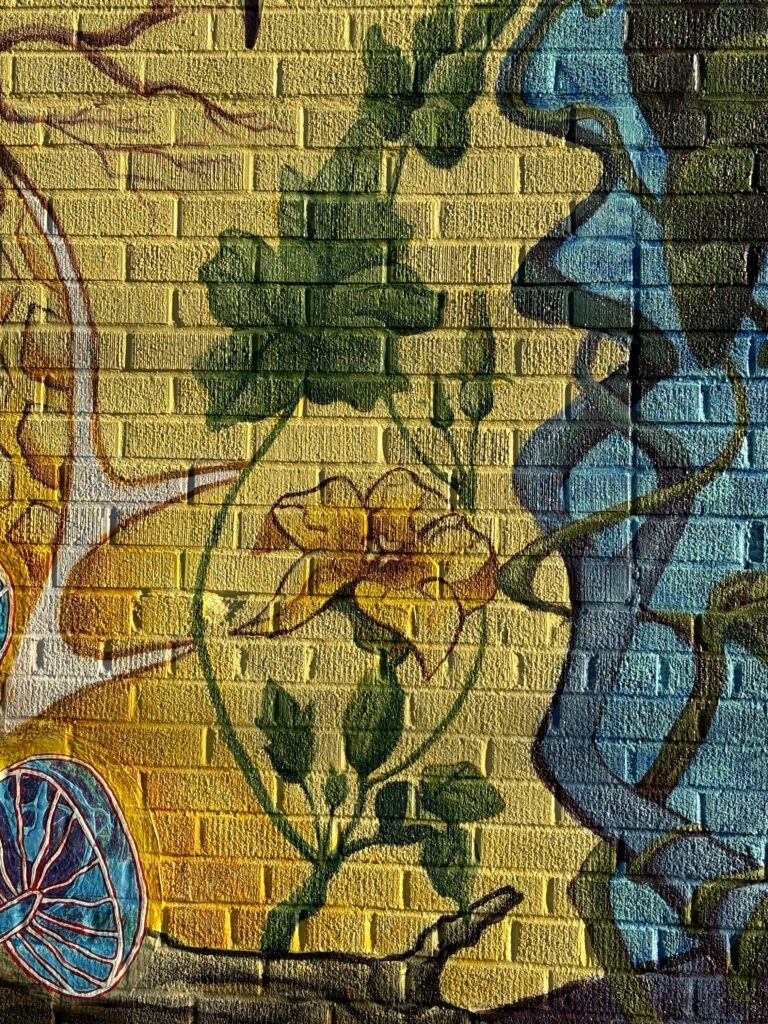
point(214, 862)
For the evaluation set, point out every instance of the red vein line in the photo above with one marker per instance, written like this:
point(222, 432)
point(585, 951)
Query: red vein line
point(71, 878)
point(48, 969)
point(74, 902)
point(12, 889)
point(59, 850)
point(20, 832)
point(93, 978)
point(70, 944)
point(76, 926)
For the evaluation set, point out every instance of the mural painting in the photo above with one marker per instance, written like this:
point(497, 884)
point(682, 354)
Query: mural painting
point(384, 590)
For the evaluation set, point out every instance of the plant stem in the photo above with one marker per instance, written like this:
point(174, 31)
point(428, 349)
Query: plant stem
point(363, 788)
point(304, 902)
point(411, 441)
point(398, 170)
point(448, 719)
point(315, 816)
point(240, 755)
point(655, 501)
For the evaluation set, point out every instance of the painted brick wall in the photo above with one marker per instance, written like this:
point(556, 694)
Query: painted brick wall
point(609, 162)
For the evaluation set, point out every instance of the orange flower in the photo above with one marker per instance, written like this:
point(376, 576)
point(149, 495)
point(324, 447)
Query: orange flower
point(408, 565)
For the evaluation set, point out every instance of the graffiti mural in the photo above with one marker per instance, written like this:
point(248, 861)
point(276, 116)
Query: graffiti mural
point(380, 641)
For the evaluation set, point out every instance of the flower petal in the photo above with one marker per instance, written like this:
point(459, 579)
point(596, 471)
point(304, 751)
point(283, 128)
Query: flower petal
point(467, 560)
point(399, 505)
point(310, 583)
point(408, 598)
point(330, 518)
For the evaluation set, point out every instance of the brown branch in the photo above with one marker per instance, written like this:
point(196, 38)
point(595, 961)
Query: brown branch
point(400, 989)
point(90, 45)
point(111, 69)
point(60, 35)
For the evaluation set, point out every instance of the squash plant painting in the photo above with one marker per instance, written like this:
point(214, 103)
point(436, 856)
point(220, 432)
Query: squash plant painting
point(383, 477)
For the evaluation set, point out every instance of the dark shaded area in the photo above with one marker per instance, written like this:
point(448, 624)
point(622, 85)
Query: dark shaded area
point(328, 989)
point(252, 13)
point(171, 984)
point(689, 990)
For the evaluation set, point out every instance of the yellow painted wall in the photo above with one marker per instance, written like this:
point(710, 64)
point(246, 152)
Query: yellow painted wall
point(140, 228)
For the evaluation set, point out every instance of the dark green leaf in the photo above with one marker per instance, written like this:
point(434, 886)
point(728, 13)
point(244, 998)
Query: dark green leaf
point(373, 721)
point(289, 729)
point(448, 860)
point(306, 321)
point(389, 89)
point(388, 71)
point(393, 802)
point(434, 35)
point(442, 413)
point(372, 637)
point(478, 348)
point(517, 579)
point(336, 789)
point(474, 31)
point(460, 77)
point(440, 132)
point(476, 399)
point(459, 793)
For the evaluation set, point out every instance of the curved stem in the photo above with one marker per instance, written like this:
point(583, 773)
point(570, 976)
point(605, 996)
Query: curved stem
point(411, 441)
point(456, 455)
point(347, 833)
point(654, 501)
point(240, 755)
point(315, 816)
point(448, 719)
point(304, 902)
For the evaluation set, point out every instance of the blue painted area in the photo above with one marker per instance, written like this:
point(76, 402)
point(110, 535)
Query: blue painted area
point(628, 679)
point(64, 842)
point(646, 922)
point(562, 73)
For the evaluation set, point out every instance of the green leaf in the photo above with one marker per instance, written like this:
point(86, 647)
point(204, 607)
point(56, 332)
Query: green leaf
point(476, 399)
point(440, 132)
point(460, 77)
point(434, 35)
point(517, 579)
point(478, 348)
point(393, 802)
point(373, 721)
point(459, 793)
point(448, 861)
point(388, 71)
point(305, 319)
point(389, 88)
point(372, 637)
point(335, 790)
point(442, 413)
point(289, 729)
point(474, 31)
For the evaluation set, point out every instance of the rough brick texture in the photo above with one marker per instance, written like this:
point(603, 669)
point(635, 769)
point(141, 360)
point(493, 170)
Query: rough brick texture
point(383, 455)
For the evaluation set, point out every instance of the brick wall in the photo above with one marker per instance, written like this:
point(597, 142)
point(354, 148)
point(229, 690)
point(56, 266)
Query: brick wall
point(147, 150)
